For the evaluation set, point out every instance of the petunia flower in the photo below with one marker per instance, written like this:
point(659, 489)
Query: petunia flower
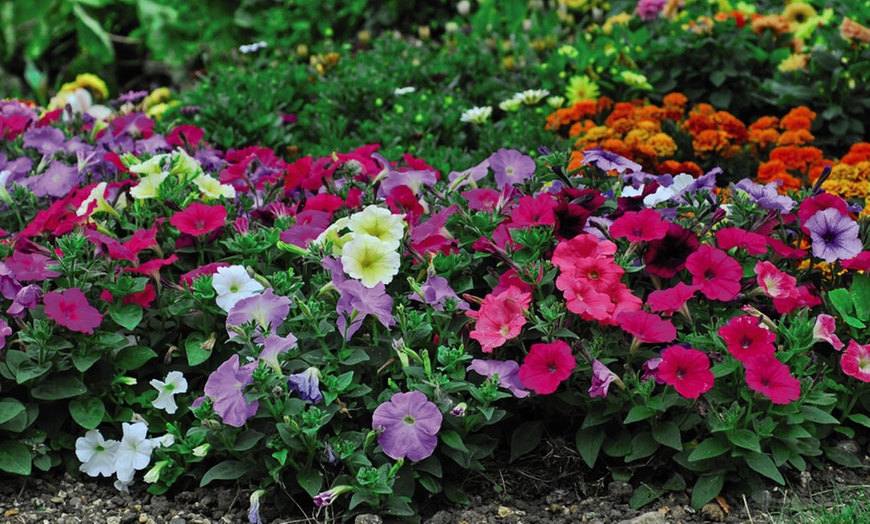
point(500, 318)
point(274, 346)
point(266, 309)
point(825, 329)
point(770, 377)
point(601, 379)
point(775, 283)
point(436, 291)
point(30, 266)
point(855, 361)
point(746, 338)
point(718, 274)
point(730, 237)
point(134, 451)
point(232, 284)
point(370, 260)
point(148, 185)
point(70, 308)
point(226, 387)
point(379, 223)
point(5, 331)
point(211, 188)
point(358, 301)
point(767, 196)
point(327, 497)
point(511, 167)
point(507, 372)
point(671, 300)
point(666, 257)
point(197, 219)
point(607, 161)
point(306, 384)
point(640, 226)
point(834, 236)
point(647, 327)
point(546, 366)
point(687, 370)
point(174, 384)
point(408, 425)
point(96, 454)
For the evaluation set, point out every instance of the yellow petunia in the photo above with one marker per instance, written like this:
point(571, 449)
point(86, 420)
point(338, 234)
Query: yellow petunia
point(147, 187)
point(87, 81)
point(370, 260)
point(211, 188)
point(379, 223)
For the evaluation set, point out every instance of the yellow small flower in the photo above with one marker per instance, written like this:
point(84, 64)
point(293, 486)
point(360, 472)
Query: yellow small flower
point(379, 223)
point(87, 81)
point(370, 260)
point(211, 188)
point(158, 96)
point(798, 13)
point(637, 80)
point(620, 19)
point(794, 62)
point(147, 187)
point(581, 87)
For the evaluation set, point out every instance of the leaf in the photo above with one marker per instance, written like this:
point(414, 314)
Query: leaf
point(814, 414)
point(588, 443)
point(643, 495)
point(707, 487)
point(14, 457)
point(63, 386)
point(842, 457)
point(9, 409)
point(638, 413)
point(226, 470)
point(452, 439)
point(247, 440)
point(310, 480)
point(841, 300)
point(745, 439)
point(763, 464)
point(859, 418)
point(642, 445)
point(196, 353)
point(126, 315)
point(668, 434)
point(92, 37)
point(717, 78)
point(133, 357)
point(525, 438)
point(860, 292)
point(88, 412)
point(712, 447)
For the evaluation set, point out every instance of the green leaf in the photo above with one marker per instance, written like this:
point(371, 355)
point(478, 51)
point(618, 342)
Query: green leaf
point(525, 438)
point(14, 457)
point(193, 347)
point(63, 386)
point(841, 300)
point(859, 418)
point(88, 412)
point(843, 457)
point(9, 409)
point(247, 440)
point(310, 480)
point(707, 487)
point(588, 443)
point(860, 292)
point(814, 414)
point(83, 357)
point(92, 37)
point(745, 439)
point(358, 355)
point(226, 470)
point(452, 439)
point(126, 315)
point(721, 98)
point(642, 445)
point(712, 447)
point(717, 78)
point(133, 357)
point(668, 434)
point(643, 495)
point(638, 413)
point(763, 464)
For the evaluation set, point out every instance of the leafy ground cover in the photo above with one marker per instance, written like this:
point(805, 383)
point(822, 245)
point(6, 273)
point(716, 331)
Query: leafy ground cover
point(342, 278)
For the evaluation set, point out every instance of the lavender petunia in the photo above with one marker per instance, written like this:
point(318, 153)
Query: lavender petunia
point(508, 372)
point(607, 161)
point(472, 174)
point(436, 291)
point(601, 379)
point(274, 346)
point(511, 167)
point(226, 387)
point(266, 309)
point(28, 297)
point(5, 331)
point(358, 302)
point(9, 284)
point(409, 425)
point(766, 196)
point(18, 167)
point(57, 181)
point(46, 140)
point(306, 384)
point(834, 236)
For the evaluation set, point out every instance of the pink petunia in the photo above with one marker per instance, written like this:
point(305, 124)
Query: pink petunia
point(687, 370)
point(855, 361)
point(731, 237)
point(197, 219)
point(640, 226)
point(546, 366)
point(718, 274)
point(770, 377)
point(775, 283)
point(534, 211)
point(669, 301)
point(825, 329)
point(647, 327)
point(803, 298)
point(745, 338)
point(500, 318)
point(70, 308)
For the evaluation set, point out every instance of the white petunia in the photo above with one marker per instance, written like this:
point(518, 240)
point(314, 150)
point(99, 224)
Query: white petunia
point(96, 454)
point(212, 188)
point(134, 451)
point(233, 284)
point(476, 115)
point(175, 383)
point(147, 186)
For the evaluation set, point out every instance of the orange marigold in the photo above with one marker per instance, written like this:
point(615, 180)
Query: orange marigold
point(651, 113)
point(797, 158)
point(710, 141)
point(729, 123)
point(859, 152)
point(674, 106)
point(798, 137)
point(844, 172)
point(672, 167)
point(765, 122)
point(776, 23)
point(580, 128)
point(817, 167)
point(614, 145)
point(770, 171)
point(800, 117)
point(663, 145)
point(763, 137)
point(636, 136)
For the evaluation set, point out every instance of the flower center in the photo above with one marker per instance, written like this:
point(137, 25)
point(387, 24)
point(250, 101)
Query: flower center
point(828, 238)
point(408, 419)
point(552, 367)
point(745, 342)
point(681, 373)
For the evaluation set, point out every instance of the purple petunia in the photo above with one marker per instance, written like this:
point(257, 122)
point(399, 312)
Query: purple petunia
point(511, 167)
point(436, 291)
point(601, 379)
point(274, 346)
point(266, 309)
point(357, 301)
point(5, 331)
point(226, 388)
point(508, 373)
point(834, 236)
point(607, 161)
point(27, 297)
point(766, 196)
point(306, 384)
point(46, 140)
point(57, 181)
point(409, 425)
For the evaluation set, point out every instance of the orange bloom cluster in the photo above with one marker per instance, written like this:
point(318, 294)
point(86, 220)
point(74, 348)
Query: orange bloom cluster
point(791, 161)
point(715, 132)
point(776, 23)
point(738, 16)
point(850, 178)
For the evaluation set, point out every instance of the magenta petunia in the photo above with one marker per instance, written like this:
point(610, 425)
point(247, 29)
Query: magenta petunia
point(825, 329)
point(730, 237)
point(671, 300)
point(408, 425)
point(30, 266)
point(647, 327)
point(718, 274)
point(70, 308)
point(688, 370)
point(745, 338)
point(640, 226)
point(770, 377)
point(855, 361)
point(198, 219)
point(546, 366)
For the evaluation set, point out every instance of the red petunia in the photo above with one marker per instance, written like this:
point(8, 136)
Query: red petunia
point(745, 338)
point(770, 377)
point(534, 211)
point(718, 274)
point(70, 308)
point(640, 226)
point(198, 219)
point(546, 366)
point(647, 327)
point(687, 370)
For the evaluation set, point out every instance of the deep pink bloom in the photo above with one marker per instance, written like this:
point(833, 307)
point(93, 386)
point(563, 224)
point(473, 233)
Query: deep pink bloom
point(226, 387)
point(861, 262)
point(583, 299)
point(670, 300)
point(784, 250)
point(152, 267)
point(717, 273)
point(546, 366)
point(770, 377)
point(856, 361)
point(775, 283)
point(500, 318)
point(567, 253)
point(409, 425)
point(640, 226)
point(688, 370)
point(825, 329)
point(745, 338)
point(30, 266)
point(667, 256)
point(70, 308)
point(5, 331)
point(198, 219)
point(730, 237)
point(647, 327)
point(534, 211)
point(803, 298)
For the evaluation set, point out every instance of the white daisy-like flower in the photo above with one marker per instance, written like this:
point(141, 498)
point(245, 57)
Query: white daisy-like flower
point(212, 188)
point(175, 383)
point(370, 260)
point(511, 104)
point(532, 96)
point(477, 115)
point(556, 101)
point(379, 223)
point(233, 284)
point(404, 90)
point(96, 454)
